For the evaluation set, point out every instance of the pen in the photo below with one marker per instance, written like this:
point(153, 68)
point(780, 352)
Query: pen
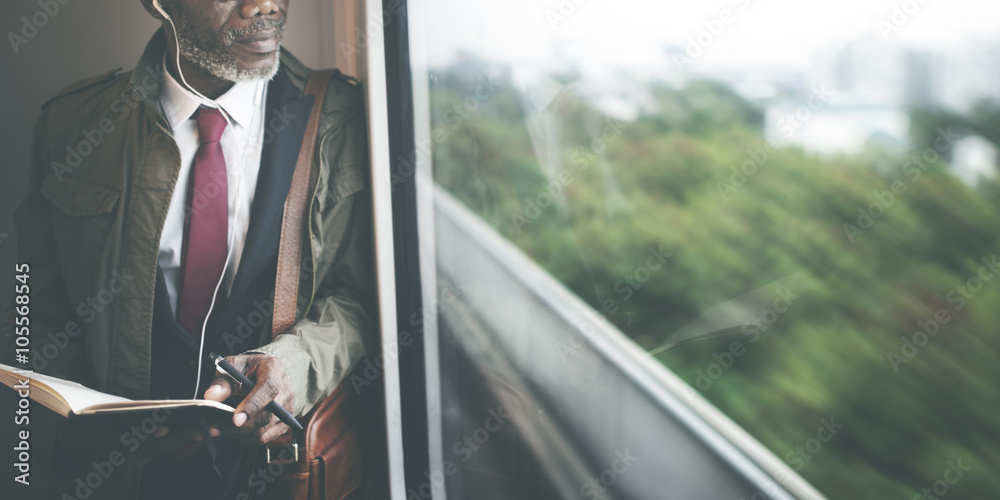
point(273, 407)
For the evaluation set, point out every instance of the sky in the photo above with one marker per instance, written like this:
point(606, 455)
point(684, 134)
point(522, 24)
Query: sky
point(633, 33)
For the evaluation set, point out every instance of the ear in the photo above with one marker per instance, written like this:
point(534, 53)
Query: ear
point(148, 5)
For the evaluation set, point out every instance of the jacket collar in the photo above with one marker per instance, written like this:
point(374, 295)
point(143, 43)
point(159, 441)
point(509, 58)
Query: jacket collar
point(240, 102)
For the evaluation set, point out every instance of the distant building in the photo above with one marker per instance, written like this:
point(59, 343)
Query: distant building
point(870, 71)
point(838, 127)
point(875, 84)
point(874, 71)
point(966, 76)
point(974, 158)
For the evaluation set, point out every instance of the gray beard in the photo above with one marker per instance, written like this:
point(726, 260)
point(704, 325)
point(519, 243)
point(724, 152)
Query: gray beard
point(212, 57)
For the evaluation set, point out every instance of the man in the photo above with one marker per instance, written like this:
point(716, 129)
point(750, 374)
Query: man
point(147, 190)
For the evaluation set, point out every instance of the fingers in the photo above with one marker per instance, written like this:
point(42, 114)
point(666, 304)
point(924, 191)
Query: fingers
point(222, 386)
point(252, 408)
point(252, 421)
point(260, 431)
point(263, 434)
point(220, 390)
point(272, 432)
point(268, 384)
point(239, 419)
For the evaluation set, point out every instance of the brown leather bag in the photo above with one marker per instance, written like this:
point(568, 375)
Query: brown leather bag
point(327, 461)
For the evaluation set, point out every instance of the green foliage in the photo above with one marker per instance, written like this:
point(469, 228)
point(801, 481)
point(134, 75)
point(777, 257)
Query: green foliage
point(671, 179)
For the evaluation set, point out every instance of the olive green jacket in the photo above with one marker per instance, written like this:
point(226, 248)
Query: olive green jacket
point(103, 167)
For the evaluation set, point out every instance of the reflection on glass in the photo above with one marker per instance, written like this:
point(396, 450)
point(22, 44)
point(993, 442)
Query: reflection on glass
point(793, 205)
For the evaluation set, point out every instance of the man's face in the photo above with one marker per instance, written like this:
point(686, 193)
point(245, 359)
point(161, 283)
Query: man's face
point(234, 40)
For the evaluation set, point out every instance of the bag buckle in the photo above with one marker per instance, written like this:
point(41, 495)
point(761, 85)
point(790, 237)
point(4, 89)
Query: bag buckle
point(280, 456)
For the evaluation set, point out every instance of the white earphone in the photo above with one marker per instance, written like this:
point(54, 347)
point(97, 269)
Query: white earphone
point(208, 102)
point(239, 185)
point(156, 4)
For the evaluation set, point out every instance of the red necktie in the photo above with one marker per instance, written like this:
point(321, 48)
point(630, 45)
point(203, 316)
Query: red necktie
point(205, 242)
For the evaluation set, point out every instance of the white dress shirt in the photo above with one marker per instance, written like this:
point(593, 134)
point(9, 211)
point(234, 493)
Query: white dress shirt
point(244, 106)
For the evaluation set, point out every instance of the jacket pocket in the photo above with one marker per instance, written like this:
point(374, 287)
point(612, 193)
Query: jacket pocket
point(83, 217)
point(77, 197)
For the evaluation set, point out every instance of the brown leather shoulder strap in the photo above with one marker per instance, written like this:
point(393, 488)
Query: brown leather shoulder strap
point(286, 284)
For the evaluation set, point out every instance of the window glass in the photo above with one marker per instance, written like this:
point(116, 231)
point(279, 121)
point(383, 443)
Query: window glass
point(792, 205)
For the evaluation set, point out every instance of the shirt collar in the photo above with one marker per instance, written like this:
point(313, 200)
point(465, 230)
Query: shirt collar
point(179, 103)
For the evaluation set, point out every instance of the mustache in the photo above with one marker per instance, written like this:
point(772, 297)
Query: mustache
point(231, 36)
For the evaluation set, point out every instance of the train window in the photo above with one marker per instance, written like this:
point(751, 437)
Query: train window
point(791, 207)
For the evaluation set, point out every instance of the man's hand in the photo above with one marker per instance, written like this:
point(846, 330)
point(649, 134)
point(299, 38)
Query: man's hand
point(252, 423)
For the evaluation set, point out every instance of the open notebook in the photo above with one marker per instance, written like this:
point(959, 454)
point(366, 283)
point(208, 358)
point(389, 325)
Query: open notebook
point(71, 399)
